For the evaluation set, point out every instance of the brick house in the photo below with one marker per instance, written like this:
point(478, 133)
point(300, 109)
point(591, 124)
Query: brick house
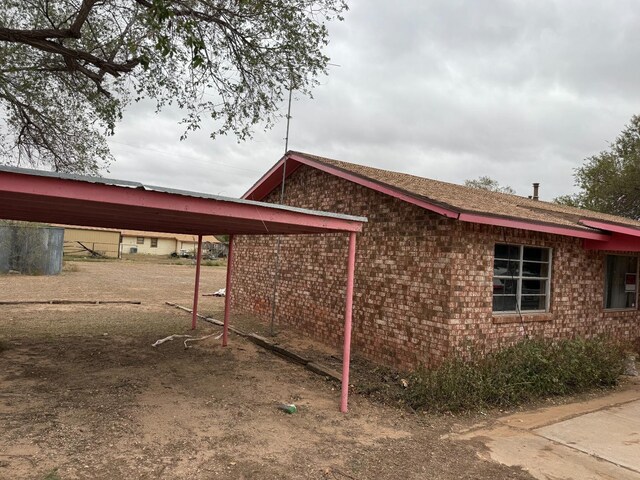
point(439, 267)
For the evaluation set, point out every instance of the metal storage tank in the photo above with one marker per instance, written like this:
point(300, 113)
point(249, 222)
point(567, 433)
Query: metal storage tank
point(31, 250)
point(6, 248)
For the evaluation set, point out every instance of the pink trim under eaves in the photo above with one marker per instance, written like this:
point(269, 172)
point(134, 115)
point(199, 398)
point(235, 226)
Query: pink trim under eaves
point(617, 243)
point(536, 227)
point(266, 184)
point(271, 180)
point(611, 227)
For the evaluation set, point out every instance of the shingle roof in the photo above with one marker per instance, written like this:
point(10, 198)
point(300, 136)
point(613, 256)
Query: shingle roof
point(473, 200)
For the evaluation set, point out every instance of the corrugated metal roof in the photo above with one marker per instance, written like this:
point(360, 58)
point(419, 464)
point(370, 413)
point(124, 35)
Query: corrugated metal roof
point(173, 191)
point(37, 196)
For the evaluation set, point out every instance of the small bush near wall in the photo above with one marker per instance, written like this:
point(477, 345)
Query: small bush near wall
point(526, 371)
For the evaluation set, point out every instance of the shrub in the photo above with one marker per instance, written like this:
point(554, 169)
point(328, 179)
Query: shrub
point(528, 370)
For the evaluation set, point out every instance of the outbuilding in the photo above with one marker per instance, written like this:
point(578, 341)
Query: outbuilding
point(157, 243)
point(441, 268)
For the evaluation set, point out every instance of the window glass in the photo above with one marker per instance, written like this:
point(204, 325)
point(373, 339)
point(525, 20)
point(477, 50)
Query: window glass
point(506, 267)
point(507, 252)
point(140, 240)
point(154, 243)
point(521, 278)
point(505, 286)
point(536, 254)
point(531, 302)
point(504, 303)
point(538, 287)
point(530, 269)
point(621, 281)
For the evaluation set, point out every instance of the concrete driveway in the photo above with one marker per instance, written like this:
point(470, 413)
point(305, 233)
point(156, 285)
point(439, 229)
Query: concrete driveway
point(596, 439)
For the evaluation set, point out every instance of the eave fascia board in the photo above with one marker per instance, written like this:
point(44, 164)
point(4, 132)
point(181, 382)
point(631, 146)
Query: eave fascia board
point(536, 227)
point(618, 243)
point(611, 227)
point(421, 202)
point(377, 186)
point(249, 193)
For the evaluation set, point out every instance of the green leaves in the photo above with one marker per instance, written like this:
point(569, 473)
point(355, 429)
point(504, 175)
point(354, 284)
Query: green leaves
point(232, 61)
point(610, 181)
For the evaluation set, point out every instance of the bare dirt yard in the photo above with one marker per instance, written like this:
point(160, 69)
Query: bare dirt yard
point(83, 395)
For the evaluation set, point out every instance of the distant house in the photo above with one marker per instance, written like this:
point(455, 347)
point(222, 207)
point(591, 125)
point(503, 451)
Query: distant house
point(149, 243)
point(111, 243)
point(440, 268)
point(82, 241)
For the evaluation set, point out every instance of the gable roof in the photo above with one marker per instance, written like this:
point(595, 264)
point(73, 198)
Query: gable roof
point(457, 201)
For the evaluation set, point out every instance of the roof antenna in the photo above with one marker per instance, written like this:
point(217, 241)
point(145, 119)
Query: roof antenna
point(278, 238)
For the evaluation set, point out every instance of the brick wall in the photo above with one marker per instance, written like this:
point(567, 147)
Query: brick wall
point(577, 292)
point(423, 286)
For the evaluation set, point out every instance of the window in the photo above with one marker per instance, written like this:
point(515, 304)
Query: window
point(154, 243)
point(621, 282)
point(521, 278)
point(140, 240)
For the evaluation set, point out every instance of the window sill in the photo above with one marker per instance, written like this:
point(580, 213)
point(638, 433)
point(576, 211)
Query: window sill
point(502, 318)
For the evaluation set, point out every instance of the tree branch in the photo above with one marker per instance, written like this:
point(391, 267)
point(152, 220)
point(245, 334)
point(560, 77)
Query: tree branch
point(83, 14)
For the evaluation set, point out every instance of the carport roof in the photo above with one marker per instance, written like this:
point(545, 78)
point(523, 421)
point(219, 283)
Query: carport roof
point(41, 196)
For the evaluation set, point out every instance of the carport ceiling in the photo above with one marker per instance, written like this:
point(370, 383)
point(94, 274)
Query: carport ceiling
point(37, 196)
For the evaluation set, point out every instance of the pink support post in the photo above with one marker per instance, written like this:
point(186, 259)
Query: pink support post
point(346, 354)
point(194, 317)
point(227, 293)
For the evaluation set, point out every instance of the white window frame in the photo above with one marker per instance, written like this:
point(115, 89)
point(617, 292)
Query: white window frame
point(520, 277)
point(604, 284)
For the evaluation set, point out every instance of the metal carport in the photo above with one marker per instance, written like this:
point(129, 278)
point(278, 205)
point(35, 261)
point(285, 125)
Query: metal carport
point(39, 196)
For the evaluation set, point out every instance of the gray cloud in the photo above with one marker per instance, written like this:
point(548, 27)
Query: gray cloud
point(520, 91)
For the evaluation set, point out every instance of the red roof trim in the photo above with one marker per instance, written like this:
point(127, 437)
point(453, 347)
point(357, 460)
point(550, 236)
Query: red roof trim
point(266, 184)
point(617, 243)
point(612, 227)
point(535, 227)
point(624, 239)
point(270, 180)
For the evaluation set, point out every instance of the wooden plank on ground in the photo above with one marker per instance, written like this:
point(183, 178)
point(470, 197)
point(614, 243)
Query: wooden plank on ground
point(267, 344)
point(324, 371)
point(70, 302)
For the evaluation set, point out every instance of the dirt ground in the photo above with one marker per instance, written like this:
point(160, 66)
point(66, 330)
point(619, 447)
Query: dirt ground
point(83, 395)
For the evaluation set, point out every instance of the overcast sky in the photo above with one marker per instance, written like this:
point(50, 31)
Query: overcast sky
point(521, 91)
